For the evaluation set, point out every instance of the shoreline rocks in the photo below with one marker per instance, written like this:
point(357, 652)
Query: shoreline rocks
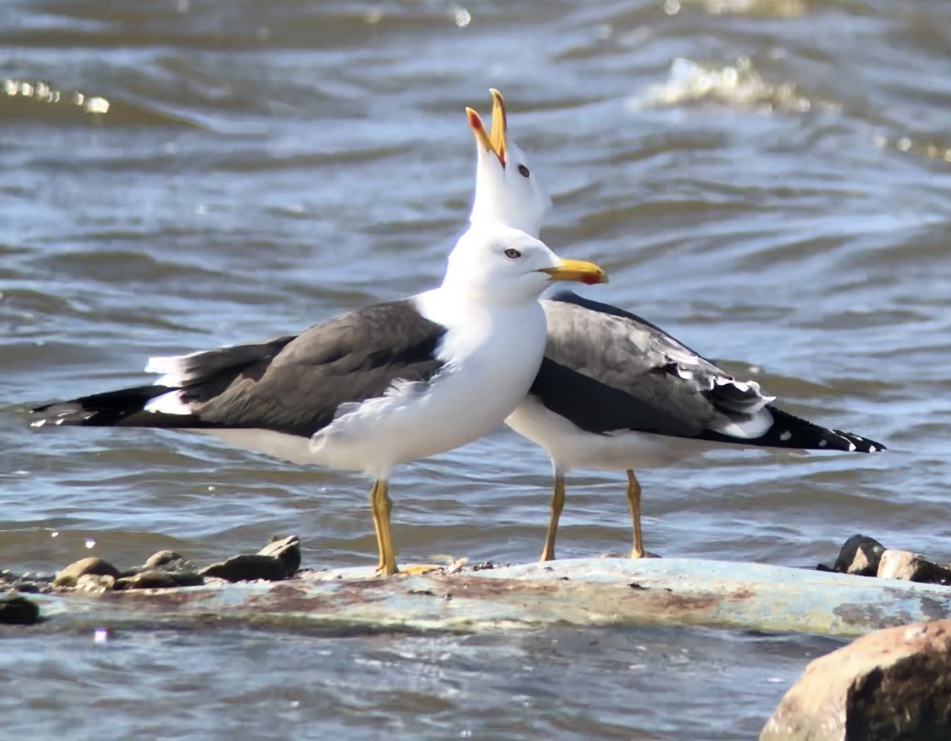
point(865, 556)
point(890, 685)
point(279, 559)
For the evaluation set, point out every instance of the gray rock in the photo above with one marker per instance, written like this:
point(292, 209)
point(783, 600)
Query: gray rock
point(165, 559)
point(248, 567)
point(17, 610)
point(891, 685)
point(158, 579)
point(92, 565)
point(912, 567)
point(286, 549)
point(859, 556)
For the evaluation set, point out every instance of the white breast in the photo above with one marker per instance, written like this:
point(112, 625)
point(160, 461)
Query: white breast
point(492, 356)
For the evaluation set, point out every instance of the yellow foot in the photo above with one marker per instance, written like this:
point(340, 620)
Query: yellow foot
point(416, 569)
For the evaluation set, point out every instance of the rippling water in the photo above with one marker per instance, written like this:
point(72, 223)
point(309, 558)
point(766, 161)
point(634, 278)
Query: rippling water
point(768, 179)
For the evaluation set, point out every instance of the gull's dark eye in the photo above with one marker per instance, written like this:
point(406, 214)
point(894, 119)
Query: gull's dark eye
point(523, 171)
point(514, 254)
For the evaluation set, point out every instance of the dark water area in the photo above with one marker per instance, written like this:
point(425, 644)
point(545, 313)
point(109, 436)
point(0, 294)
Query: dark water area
point(769, 180)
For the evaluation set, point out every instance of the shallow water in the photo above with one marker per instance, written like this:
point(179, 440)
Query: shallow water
point(767, 179)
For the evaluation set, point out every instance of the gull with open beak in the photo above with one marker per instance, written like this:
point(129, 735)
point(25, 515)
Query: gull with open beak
point(614, 391)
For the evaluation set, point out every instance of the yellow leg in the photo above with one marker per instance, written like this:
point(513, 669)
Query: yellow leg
point(634, 500)
point(557, 505)
point(381, 506)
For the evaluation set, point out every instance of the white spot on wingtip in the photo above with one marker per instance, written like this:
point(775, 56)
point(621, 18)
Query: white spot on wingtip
point(170, 403)
point(787, 435)
point(823, 443)
point(851, 447)
point(59, 421)
point(38, 423)
point(872, 449)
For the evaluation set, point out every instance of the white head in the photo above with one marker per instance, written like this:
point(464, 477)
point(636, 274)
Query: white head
point(496, 264)
point(507, 191)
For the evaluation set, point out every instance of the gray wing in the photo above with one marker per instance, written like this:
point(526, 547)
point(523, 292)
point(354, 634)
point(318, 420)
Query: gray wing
point(292, 384)
point(607, 370)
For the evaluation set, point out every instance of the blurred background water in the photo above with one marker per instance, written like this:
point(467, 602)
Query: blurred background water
point(770, 180)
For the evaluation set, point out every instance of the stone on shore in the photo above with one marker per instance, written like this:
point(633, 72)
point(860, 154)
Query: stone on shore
point(248, 567)
point(912, 567)
point(891, 685)
point(158, 579)
point(166, 560)
point(69, 576)
point(17, 610)
point(286, 549)
point(276, 561)
point(859, 556)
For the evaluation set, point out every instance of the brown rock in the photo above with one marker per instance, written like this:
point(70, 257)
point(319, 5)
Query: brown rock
point(158, 579)
point(912, 567)
point(95, 583)
point(92, 565)
point(859, 556)
point(163, 558)
point(287, 550)
point(17, 610)
point(891, 685)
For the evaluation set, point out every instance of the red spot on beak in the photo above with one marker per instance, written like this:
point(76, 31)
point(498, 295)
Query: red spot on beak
point(474, 121)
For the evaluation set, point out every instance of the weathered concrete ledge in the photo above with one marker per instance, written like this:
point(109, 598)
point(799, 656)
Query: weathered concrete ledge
point(665, 591)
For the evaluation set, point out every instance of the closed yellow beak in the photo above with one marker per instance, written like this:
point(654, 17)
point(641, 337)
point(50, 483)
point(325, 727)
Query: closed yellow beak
point(577, 270)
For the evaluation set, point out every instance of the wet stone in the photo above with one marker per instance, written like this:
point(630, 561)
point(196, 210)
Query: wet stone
point(158, 579)
point(287, 550)
point(95, 583)
point(17, 610)
point(92, 565)
point(248, 567)
point(891, 685)
point(165, 559)
point(912, 567)
point(859, 556)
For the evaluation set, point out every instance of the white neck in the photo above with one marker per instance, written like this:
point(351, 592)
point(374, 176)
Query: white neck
point(491, 206)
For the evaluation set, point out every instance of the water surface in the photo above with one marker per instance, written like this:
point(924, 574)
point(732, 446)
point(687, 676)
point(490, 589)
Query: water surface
point(767, 179)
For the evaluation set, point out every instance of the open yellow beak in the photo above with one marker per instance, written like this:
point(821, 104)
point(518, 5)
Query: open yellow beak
point(577, 270)
point(494, 142)
point(481, 136)
point(499, 126)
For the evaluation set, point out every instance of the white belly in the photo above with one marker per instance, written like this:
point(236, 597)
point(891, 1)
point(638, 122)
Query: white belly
point(570, 447)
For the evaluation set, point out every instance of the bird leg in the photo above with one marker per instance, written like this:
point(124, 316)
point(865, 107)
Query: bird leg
point(557, 505)
point(634, 500)
point(381, 505)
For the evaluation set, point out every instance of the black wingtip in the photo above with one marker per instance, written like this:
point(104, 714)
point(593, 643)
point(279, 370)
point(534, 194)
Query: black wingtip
point(98, 410)
point(790, 431)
